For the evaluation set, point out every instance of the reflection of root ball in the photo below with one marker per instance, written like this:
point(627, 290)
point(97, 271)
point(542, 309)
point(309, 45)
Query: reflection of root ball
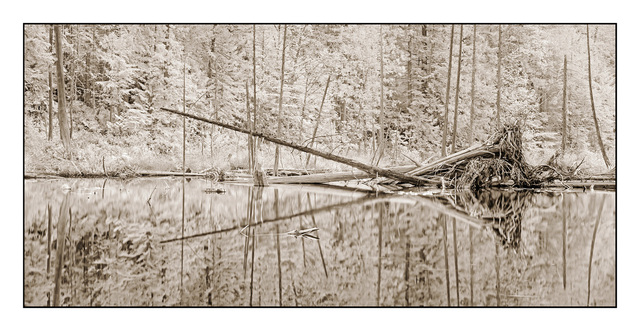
point(509, 231)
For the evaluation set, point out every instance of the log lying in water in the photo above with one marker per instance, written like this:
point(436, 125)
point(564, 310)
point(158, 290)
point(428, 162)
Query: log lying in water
point(595, 184)
point(372, 170)
point(330, 177)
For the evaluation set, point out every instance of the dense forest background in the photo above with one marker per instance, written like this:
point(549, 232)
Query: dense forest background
point(341, 84)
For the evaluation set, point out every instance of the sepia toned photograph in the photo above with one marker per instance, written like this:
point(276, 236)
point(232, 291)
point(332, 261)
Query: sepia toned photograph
point(319, 165)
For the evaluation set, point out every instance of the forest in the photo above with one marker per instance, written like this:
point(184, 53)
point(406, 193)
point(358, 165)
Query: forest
point(384, 95)
point(523, 115)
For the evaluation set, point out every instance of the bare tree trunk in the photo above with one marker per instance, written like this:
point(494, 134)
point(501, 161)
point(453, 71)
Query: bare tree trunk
point(72, 90)
point(564, 107)
point(593, 106)
point(455, 109)
point(381, 140)
point(409, 68)
point(473, 89)
point(277, 156)
point(93, 46)
point(50, 133)
point(304, 105)
point(255, 99)
point(362, 123)
point(212, 105)
point(430, 46)
point(250, 128)
point(62, 114)
point(315, 129)
point(184, 122)
point(215, 91)
point(499, 73)
point(446, 103)
point(85, 94)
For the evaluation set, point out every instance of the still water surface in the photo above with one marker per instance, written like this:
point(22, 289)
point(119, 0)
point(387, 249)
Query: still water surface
point(96, 242)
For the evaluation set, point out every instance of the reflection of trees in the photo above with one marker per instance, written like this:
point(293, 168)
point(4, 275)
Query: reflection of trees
point(116, 258)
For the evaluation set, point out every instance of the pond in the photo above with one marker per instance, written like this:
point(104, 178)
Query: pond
point(110, 242)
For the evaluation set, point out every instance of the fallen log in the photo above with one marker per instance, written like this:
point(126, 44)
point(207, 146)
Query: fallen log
point(597, 184)
point(330, 177)
point(372, 170)
point(153, 173)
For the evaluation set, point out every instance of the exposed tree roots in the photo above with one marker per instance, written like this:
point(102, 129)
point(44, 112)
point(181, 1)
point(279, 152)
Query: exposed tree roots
point(498, 162)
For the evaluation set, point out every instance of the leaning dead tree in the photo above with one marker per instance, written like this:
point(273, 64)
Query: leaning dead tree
point(497, 162)
point(372, 170)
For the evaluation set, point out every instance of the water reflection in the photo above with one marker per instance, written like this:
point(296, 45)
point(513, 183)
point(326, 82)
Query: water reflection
point(125, 243)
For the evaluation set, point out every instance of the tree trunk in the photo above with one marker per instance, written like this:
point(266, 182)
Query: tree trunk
point(593, 106)
point(304, 106)
point(381, 115)
point(255, 98)
point(277, 156)
point(564, 107)
point(212, 105)
point(446, 103)
point(72, 90)
point(375, 171)
point(473, 89)
point(409, 68)
point(93, 92)
point(362, 122)
point(50, 133)
point(430, 47)
point(85, 94)
point(315, 130)
point(250, 128)
point(62, 114)
point(455, 109)
point(499, 74)
point(184, 122)
point(215, 91)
